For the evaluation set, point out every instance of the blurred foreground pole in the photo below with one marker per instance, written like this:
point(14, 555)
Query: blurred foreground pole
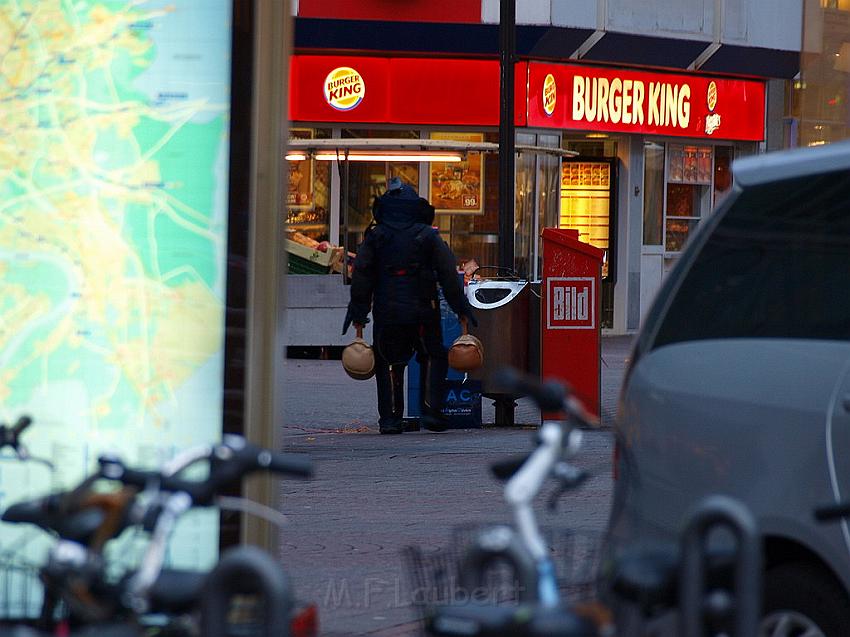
point(507, 157)
point(266, 300)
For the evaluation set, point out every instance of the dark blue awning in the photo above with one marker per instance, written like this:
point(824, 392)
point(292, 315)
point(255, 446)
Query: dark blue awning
point(539, 42)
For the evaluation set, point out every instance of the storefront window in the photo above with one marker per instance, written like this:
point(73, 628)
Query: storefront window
point(308, 198)
point(468, 211)
point(548, 183)
point(525, 212)
point(819, 104)
point(653, 188)
point(689, 172)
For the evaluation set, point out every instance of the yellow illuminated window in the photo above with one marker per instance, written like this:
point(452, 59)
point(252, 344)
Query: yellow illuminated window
point(585, 200)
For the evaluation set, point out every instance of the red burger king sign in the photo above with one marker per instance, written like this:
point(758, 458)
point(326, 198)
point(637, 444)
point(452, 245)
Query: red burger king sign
point(344, 88)
point(621, 100)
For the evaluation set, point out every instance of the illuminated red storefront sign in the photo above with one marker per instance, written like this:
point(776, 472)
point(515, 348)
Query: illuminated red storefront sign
point(465, 92)
point(618, 100)
point(438, 91)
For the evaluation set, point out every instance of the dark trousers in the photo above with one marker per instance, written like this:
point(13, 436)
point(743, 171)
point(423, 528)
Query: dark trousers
point(394, 345)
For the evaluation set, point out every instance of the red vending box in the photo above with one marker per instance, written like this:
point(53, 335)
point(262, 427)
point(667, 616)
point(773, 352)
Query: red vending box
point(570, 348)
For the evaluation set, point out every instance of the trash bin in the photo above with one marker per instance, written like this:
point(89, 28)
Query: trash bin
point(502, 305)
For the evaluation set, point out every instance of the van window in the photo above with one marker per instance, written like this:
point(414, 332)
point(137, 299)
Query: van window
point(777, 265)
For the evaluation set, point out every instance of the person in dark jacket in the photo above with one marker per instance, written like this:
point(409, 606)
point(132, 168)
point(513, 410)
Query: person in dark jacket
point(396, 272)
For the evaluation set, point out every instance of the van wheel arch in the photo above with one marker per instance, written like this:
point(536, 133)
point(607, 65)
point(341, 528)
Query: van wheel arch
point(781, 550)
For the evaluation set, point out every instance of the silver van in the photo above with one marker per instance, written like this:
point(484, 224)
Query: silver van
point(739, 384)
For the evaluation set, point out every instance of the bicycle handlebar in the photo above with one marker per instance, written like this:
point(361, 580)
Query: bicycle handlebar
point(19, 427)
point(10, 434)
point(230, 461)
point(551, 395)
point(832, 511)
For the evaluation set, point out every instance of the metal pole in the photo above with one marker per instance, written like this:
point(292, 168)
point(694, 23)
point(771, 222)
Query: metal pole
point(507, 143)
point(267, 264)
point(347, 216)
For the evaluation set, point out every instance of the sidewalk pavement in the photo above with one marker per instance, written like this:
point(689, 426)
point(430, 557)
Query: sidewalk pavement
point(373, 495)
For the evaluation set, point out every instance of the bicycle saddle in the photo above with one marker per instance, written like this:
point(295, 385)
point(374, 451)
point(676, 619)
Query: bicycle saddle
point(47, 513)
point(176, 591)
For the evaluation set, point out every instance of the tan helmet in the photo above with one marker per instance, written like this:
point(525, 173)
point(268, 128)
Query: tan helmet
point(467, 352)
point(358, 358)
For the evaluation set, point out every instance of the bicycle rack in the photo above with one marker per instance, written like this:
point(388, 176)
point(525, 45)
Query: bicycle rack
point(698, 604)
point(247, 570)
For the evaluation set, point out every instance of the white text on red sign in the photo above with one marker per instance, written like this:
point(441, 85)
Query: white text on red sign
point(628, 102)
point(571, 303)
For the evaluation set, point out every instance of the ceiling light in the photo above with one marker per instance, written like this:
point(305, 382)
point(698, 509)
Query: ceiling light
point(388, 156)
point(295, 157)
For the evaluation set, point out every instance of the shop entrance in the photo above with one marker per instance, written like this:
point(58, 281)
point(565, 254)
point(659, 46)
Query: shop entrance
point(588, 203)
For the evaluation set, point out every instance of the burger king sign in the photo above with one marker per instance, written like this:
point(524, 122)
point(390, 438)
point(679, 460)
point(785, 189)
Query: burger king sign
point(344, 88)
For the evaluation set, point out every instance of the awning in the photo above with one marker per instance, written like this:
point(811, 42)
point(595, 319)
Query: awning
point(390, 149)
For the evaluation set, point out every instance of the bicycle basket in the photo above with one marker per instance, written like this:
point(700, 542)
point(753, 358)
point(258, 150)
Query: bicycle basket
point(433, 576)
point(21, 591)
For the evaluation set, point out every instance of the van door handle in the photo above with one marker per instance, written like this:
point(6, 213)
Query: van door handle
point(845, 402)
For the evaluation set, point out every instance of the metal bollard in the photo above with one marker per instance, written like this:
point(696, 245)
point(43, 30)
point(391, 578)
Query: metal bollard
point(247, 570)
point(745, 603)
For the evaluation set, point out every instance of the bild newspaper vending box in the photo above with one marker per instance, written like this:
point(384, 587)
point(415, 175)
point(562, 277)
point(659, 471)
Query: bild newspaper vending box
point(570, 332)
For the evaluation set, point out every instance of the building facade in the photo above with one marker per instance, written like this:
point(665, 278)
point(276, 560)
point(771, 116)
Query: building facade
point(647, 107)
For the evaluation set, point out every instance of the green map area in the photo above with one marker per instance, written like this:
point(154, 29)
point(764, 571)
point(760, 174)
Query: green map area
point(113, 187)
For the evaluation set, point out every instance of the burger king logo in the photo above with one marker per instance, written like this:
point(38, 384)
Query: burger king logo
point(344, 88)
point(550, 94)
point(712, 96)
point(712, 120)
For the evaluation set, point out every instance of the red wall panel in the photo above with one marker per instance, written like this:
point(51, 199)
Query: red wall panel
point(423, 91)
point(466, 11)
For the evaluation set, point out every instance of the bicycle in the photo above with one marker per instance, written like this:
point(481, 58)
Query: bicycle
point(84, 520)
point(693, 581)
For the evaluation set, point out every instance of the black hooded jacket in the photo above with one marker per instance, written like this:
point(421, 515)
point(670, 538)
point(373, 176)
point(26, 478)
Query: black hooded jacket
point(399, 264)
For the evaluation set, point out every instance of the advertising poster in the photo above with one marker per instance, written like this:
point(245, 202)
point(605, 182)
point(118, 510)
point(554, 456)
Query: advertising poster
point(113, 244)
point(300, 193)
point(458, 186)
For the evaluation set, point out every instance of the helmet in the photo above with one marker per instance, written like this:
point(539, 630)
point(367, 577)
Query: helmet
point(358, 359)
point(466, 354)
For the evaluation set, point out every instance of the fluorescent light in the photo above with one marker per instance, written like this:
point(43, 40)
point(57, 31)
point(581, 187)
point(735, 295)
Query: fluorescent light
point(388, 156)
point(295, 157)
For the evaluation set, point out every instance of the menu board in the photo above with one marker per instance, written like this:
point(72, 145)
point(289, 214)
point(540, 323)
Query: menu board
point(300, 193)
point(113, 243)
point(458, 186)
point(586, 202)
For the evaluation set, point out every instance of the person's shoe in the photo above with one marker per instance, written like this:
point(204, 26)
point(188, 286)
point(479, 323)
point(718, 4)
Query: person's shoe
point(397, 428)
point(435, 424)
